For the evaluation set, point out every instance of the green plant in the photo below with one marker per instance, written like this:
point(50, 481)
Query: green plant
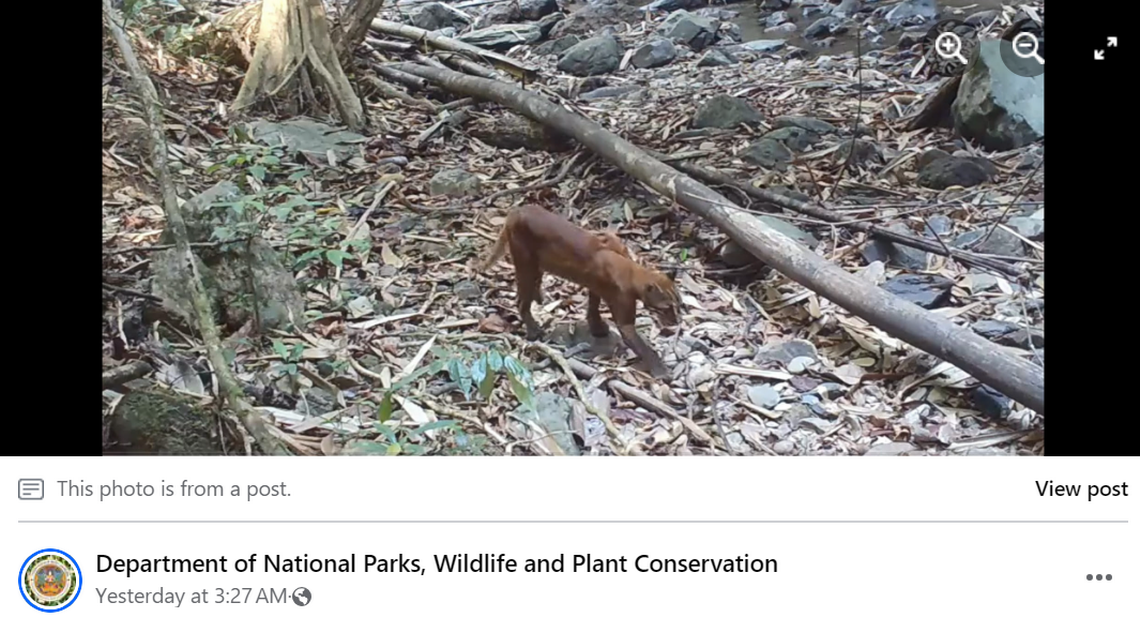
point(289, 356)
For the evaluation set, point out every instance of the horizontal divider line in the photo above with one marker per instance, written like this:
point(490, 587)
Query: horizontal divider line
point(591, 522)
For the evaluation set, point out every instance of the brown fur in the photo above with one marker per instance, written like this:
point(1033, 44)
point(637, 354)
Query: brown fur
point(541, 241)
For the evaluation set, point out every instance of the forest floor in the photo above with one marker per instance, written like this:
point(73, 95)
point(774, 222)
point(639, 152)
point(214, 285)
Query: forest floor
point(760, 364)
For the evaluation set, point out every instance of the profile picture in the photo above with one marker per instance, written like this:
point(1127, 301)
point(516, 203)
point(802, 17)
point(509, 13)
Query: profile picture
point(50, 580)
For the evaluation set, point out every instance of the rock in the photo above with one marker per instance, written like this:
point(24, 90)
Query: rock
point(553, 413)
point(455, 182)
point(500, 14)
point(777, 18)
point(730, 32)
point(807, 123)
point(436, 16)
point(592, 17)
point(825, 26)
point(546, 24)
point(592, 83)
point(866, 154)
point(673, 5)
point(466, 290)
point(794, 137)
point(227, 270)
point(608, 92)
point(929, 291)
point(724, 111)
point(890, 448)
point(847, 8)
point(511, 131)
point(763, 45)
point(940, 223)
point(790, 230)
point(735, 256)
point(795, 53)
point(503, 36)
point(929, 156)
point(783, 353)
point(655, 53)
point(898, 255)
point(992, 328)
point(308, 138)
point(717, 57)
point(995, 107)
point(787, 28)
point(912, 11)
point(910, 38)
point(537, 9)
point(557, 46)
point(811, 10)
point(991, 402)
point(689, 29)
point(783, 447)
point(768, 153)
point(594, 56)
point(1031, 228)
point(1000, 242)
point(763, 396)
point(775, 4)
point(155, 421)
point(947, 171)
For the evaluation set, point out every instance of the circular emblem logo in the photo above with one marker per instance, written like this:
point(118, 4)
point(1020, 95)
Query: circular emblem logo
point(49, 580)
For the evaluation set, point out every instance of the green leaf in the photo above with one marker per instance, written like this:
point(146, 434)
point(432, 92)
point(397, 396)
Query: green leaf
point(280, 349)
point(487, 382)
point(295, 354)
point(229, 355)
point(291, 368)
point(684, 254)
point(495, 361)
point(386, 413)
point(297, 175)
point(336, 257)
point(385, 430)
point(394, 449)
point(522, 392)
point(258, 171)
point(517, 369)
point(479, 370)
point(413, 449)
point(269, 159)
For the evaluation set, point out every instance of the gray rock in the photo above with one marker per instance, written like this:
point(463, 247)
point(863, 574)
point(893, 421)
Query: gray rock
point(724, 111)
point(1000, 242)
point(553, 414)
point(655, 53)
point(991, 328)
point(898, 255)
point(546, 24)
point(764, 45)
point(592, 17)
point(557, 46)
point(929, 291)
point(947, 171)
point(503, 36)
point(912, 11)
point(768, 153)
point(455, 182)
point(717, 57)
point(227, 270)
point(1031, 228)
point(730, 32)
point(310, 138)
point(777, 18)
point(537, 9)
point(847, 8)
point(775, 4)
point(673, 5)
point(825, 26)
point(991, 402)
point(791, 231)
point(812, 10)
point(466, 290)
point(794, 137)
point(608, 92)
point(437, 15)
point(929, 156)
point(804, 122)
point(783, 353)
point(594, 56)
point(787, 28)
point(866, 154)
point(689, 29)
point(763, 396)
point(995, 107)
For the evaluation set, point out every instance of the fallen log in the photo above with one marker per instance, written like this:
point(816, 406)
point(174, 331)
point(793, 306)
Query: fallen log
point(803, 207)
point(499, 61)
point(986, 361)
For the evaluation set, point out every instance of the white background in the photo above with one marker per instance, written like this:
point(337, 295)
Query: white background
point(852, 536)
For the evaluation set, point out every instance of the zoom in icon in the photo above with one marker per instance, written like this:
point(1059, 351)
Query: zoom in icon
point(948, 45)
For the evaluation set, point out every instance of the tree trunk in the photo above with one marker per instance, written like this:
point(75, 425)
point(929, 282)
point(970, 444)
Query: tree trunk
point(291, 32)
point(1019, 379)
